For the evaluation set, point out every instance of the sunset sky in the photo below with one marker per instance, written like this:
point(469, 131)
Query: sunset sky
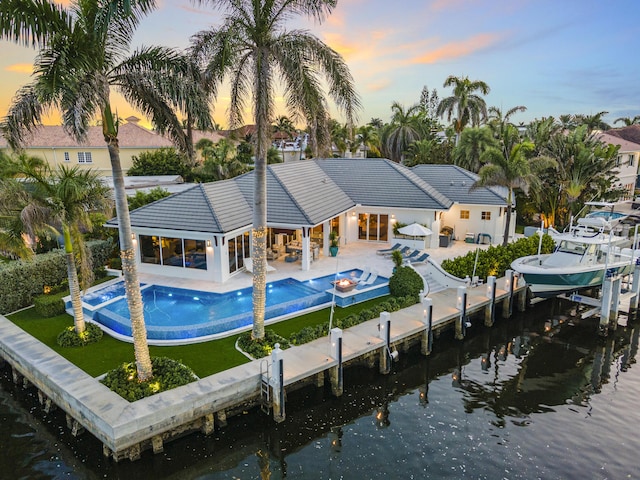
point(554, 57)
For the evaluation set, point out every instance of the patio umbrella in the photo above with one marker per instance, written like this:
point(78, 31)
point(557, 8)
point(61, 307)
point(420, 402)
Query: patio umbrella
point(415, 230)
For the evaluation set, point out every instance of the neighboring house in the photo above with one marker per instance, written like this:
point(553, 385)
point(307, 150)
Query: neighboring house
point(628, 158)
point(204, 232)
point(53, 144)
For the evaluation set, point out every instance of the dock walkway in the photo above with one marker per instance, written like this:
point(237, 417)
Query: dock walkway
point(126, 429)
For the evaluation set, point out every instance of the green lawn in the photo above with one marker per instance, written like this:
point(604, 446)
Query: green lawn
point(204, 358)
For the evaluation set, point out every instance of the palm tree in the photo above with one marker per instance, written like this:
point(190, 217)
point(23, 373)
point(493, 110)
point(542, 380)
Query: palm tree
point(593, 122)
point(59, 199)
point(473, 143)
point(464, 105)
point(404, 129)
point(511, 169)
point(369, 138)
point(82, 56)
point(628, 121)
point(253, 48)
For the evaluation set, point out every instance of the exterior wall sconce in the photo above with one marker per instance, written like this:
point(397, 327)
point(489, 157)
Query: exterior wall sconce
point(133, 237)
point(208, 243)
point(353, 214)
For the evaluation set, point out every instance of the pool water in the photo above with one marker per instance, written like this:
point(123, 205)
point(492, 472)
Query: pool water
point(173, 314)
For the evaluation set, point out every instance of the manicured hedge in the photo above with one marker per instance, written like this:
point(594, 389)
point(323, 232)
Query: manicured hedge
point(496, 259)
point(167, 374)
point(50, 305)
point(21, 281)
point(405, 282)
point(263, 347)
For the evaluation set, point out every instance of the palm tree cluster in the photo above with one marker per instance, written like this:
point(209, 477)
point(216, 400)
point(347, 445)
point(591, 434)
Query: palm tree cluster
point(83, 53)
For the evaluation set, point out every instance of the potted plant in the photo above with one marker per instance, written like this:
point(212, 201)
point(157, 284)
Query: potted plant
point(397, 258)
point(334, 242)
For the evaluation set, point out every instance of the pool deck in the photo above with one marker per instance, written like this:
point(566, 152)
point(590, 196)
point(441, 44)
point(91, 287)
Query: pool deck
point(126, 429)
point(352, 256)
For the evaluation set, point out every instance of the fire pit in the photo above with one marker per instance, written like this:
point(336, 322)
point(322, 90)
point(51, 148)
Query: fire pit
point(345, 285)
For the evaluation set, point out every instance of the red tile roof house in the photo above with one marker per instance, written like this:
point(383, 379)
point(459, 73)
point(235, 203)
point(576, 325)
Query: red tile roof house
point(54, 145)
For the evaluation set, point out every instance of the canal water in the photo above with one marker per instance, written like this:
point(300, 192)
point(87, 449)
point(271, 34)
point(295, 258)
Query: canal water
point(536, 396)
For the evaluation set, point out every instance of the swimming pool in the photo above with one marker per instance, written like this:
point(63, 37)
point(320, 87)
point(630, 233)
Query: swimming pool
point(176, 315)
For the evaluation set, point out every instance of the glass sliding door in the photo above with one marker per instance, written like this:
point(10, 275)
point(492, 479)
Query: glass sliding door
point(373, 227)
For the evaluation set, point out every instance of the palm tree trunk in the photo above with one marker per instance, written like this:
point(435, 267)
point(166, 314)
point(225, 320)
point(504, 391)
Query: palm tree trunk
point(505, 240)
point(127, 254)
point(259, 231)
point(74, 285)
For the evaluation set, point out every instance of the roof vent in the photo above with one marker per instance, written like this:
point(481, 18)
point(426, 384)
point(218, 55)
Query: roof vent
point(464, 183)
point(451, 183)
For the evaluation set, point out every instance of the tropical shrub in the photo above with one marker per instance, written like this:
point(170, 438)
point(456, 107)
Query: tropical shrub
point(496, 259)
point(143, 198)
point(50, 305)
point(163, 161)
point(392, 304)
point(405, 282)
point(167, 374)
point(69, 338)
point(22, 280)
point(259, 348)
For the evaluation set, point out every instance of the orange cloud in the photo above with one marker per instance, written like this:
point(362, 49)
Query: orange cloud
point(458, 49)
point(376, 87)
point(20, 68)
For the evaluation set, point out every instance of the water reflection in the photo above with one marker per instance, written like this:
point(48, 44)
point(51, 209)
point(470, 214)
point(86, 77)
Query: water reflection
point(502, 377)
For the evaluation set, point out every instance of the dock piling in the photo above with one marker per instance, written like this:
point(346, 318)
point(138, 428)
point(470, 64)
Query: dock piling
point(490, 309)
point(336, 352)
point(461, 304)
point(633, 304)
point(605, 309)
point(385, 334)
point(507, 304)
point(277, 383)
point(427, 318)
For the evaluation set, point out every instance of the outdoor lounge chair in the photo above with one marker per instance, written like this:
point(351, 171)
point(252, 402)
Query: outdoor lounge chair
point(387, 251)
point(412, 255)
point(421, 259)
point(365, 274)
point(372, 278)
point(404, 250)
point(248, 263)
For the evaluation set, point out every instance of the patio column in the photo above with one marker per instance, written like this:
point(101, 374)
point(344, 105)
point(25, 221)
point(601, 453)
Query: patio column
point(306, 248)
point(326, 229)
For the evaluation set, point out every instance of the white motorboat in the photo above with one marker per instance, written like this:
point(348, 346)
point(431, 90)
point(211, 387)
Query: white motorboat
point(593, 247)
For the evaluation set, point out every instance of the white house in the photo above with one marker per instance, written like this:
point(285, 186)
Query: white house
point(205, 232)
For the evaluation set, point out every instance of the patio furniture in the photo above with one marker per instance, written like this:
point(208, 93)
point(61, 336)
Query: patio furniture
point(411, 255)
point(388, 251)
point(404, 250)
point(372, 278)
point(248, 263)
point(421, 259)
point(273, 254)
point(365, 274)
point(292, 257)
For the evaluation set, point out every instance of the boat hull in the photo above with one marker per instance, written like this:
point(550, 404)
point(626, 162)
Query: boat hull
point(551, 282)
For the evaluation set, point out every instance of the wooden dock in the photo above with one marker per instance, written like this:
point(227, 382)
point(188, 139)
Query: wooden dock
point(126, 429)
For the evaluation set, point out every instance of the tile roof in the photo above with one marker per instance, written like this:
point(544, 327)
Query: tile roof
point(310, 192)
point(130, 135)
point(625, 145)
point(455, 183)
point(378, 182)
point(630, 133)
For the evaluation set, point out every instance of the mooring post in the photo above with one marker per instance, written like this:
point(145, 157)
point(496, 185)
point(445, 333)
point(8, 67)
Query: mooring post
point(616, 287)
point(489, 311)
point(521, 303)
point(277, 383)
point(633, 304)
point(507, 305)
point(384, 328)
point(461, 304)
point(605, 309)
point(427, 319)
point(336, 352)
